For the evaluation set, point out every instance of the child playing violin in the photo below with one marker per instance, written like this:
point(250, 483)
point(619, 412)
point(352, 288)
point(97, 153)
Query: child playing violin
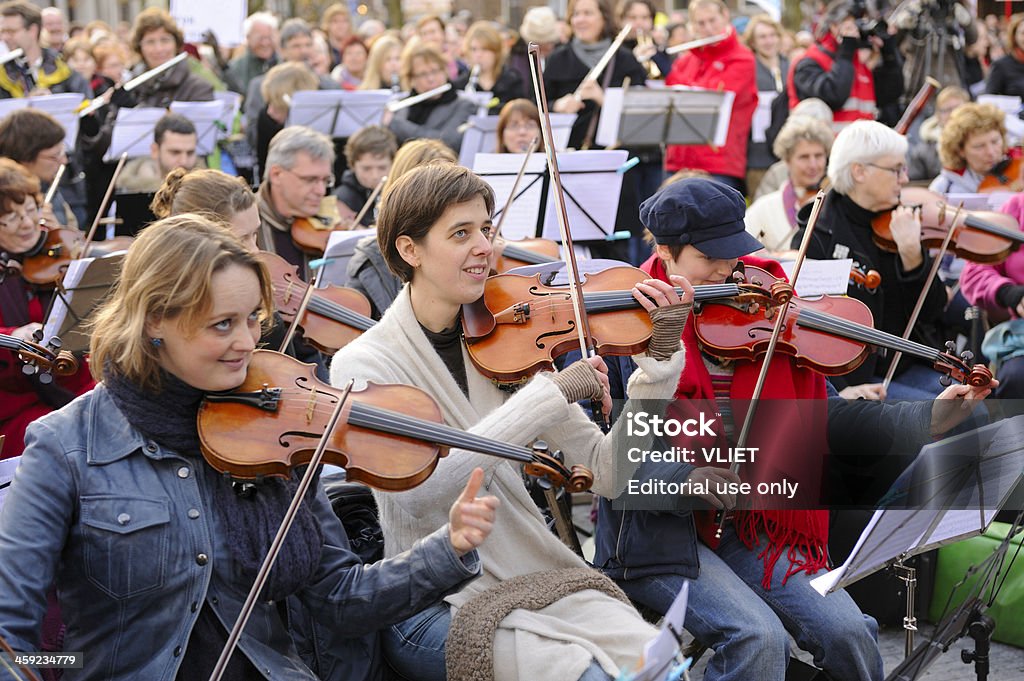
point(565, 623)
point(747, 595)
point(153, 551)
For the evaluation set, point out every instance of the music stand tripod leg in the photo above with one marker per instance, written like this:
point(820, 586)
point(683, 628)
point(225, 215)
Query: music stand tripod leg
point(909, 577)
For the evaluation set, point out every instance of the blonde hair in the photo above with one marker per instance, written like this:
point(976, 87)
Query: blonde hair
point(967, 120)
point(284, 80)
point(489, 38)
point(759, 20)
point(419, 50)
point(203, 190)
point(167, 275)
point(382, 46)
point(416, 153)
point(802, 128)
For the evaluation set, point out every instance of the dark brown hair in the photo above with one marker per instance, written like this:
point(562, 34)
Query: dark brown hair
point(152, 19)
point(29, 13)
point(605, 8)
point(203, 191)
point(413, 204)
point(373, 139)
point(522, 108)
point(26, 132)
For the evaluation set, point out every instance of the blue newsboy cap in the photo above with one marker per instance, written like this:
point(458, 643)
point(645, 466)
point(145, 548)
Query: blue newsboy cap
point(704, 213)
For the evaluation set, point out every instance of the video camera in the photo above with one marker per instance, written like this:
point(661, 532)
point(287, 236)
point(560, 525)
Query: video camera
point(866, 25)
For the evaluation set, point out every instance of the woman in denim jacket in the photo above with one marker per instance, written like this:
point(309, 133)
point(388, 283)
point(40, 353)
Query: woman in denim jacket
point(152, 551)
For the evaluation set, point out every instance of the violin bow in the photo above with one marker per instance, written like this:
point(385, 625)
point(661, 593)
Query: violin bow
point(306, 297)
point(568, 253)
point(923, 295)
point(780, 321)
point(104, 204)
point(515, 187)
point(282, 531)
point(369, 202)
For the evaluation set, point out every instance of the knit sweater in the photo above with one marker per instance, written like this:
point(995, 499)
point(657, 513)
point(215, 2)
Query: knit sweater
point(558, 641)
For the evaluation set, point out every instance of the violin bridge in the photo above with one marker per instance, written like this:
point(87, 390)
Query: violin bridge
point(517, 314)
point(310, 407)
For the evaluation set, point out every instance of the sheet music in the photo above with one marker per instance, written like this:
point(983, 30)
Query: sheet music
point(482, 136)
point(660, 652)
point(232, 102)
point(340, 248)
point(762, 115)
point(133, 132)
point(7, 468)
point(820, 277)
point(63, 107)
point(72, 276)
point(592, 187)
point(338, 113)
point(499, 171)
point(205, 116)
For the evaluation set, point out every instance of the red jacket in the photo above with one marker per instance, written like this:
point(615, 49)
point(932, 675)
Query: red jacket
point(727, 65)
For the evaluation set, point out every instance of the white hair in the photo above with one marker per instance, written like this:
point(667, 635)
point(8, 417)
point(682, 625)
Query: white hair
point(861, 142)
point(264, 18)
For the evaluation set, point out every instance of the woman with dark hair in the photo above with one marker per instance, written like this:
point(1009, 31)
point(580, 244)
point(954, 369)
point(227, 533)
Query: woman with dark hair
point(35, 139)
point(351, 69)
point(518, 125)
point(24, 398)
point(1006, 77)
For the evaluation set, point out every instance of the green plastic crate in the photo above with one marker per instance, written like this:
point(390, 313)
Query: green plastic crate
point(953, 561)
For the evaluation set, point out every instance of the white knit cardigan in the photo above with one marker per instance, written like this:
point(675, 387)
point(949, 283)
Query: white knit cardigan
point(558, 642)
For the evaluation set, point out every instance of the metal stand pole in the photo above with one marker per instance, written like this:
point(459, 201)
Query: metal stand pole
point(909, 577)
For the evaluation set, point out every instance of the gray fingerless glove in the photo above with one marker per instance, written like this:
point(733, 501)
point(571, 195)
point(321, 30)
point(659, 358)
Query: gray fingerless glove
point(579, 381)
point(668, 329)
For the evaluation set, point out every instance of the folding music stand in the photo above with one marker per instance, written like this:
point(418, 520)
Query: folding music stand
point(591, 184)
point(341, 246)
point(133, 132)
point(482, 135)
point(87, 283)
point(653, 117)
point(338, 113)
point(63, 107)
point(206, 116)
point(232, 102)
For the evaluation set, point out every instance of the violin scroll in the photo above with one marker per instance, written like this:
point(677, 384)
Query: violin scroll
point(41, 360)
point(960, 369)
point(551, 467)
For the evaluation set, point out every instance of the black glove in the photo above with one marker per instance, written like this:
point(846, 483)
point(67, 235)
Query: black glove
point(124, 99)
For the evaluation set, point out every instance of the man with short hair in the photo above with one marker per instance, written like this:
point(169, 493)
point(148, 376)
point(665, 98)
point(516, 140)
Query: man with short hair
point(299, 175)
point(369, 153)
point(260, 51)
point(40, 71)
point(725, 65)
point(56, 28)
point(296, 46)
point(174, 146)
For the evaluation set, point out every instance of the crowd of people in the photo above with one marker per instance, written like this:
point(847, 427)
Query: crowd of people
point(118, 538)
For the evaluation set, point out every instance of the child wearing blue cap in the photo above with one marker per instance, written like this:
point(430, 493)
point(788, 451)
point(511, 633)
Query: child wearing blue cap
point(750, 590)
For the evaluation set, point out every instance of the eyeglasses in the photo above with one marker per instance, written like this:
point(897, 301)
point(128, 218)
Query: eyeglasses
point(309, 181)
point(427, 74)
point(13, 220)
point(897, 171)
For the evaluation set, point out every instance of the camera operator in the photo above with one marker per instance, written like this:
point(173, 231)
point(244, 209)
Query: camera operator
point(854, 67)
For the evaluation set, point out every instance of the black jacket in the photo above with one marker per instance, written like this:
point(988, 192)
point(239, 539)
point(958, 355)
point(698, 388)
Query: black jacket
point(355, 195)
point(509, 86)
point(1006, 77)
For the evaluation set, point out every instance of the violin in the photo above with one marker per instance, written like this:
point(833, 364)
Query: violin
point(534, 251)
point(311, 234)
point(1005, 176)
point(334, 316)
point(868, 280)
point(40, 360)
point(45, 264)
point(832, 335)
point(520, 325)
point(979, 236)
point(390, 436)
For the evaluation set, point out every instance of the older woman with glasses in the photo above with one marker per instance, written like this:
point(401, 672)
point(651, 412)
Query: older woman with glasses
point(868, 169)
point(971, 146)
point(440, 117)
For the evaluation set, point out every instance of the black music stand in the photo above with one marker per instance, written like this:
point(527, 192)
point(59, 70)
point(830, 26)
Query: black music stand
point(133, 213)
point(638, 117)
point(591, 183)
point(87, 283)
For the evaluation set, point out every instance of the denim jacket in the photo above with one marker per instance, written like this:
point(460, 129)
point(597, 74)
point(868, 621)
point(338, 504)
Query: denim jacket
point(124, 527)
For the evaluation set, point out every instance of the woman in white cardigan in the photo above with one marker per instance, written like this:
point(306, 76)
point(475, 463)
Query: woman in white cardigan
point(434, 230)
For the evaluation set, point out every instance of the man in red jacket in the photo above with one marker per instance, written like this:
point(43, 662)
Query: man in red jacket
point(726, 65)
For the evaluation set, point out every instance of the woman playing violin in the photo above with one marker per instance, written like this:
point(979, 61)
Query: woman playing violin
point(435, 233)
point(748, 594)
point(803, 144)
point(24, 398)
point(971, 146)
point(152, 549)
point(867, 169)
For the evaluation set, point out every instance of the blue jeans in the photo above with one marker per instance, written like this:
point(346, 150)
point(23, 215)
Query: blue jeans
point(415, 647)
point(747, 626)
point(918, 382)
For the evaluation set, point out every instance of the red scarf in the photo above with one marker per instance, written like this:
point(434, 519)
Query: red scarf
point(802, 535)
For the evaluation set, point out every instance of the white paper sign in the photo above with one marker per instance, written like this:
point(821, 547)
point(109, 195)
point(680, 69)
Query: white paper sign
point(762, 115)
point(224, 17)
point(821, 277)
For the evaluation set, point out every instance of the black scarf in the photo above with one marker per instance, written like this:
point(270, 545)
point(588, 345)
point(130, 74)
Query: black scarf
point(418, 112)
point(250, 521)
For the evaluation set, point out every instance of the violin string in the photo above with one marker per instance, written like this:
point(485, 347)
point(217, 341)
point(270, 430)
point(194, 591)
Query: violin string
point(385, 420)
point(993, 229)
point(333, 311)
point(865, 334)
point(608, 301)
